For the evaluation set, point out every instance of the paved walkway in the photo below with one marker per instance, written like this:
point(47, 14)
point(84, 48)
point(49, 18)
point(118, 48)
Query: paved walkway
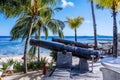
point(33, 75)
point(74, 73)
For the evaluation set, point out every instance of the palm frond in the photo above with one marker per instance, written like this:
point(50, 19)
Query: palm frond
point(53, 26)
point(60, 33)
point(49, 2)
point(46, 13)
point(45, 30)
point(32, 51)
point(75, 22)
point(58, 9)
point(109, 4)
point(21, 28)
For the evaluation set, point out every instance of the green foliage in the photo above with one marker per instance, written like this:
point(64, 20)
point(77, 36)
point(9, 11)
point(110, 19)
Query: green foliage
point(75, 22)
point(111, 4)
point(18, 67)
point(5, 65)
point(33, 65)
point(53, 54)
point(8, 63)
point(32, 52)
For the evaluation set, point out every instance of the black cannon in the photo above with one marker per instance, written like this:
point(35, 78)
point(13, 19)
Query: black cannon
point(67, 42)
point(76, 51)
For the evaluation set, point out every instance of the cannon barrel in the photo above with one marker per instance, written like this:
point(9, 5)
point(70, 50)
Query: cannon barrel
point(76, 51)
point(78, 44)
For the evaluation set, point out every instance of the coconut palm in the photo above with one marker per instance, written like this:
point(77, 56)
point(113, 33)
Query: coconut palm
point(12, 8)
point(41, 23)
point(74, 24)
point(44, 21)
point(56, 26)
point(94, 25)
point(114, 5)
point(36, 6)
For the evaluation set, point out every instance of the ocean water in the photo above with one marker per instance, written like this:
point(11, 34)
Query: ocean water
point(8, 48)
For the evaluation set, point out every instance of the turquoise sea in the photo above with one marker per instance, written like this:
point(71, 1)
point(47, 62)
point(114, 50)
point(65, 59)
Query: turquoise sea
point(16, 47)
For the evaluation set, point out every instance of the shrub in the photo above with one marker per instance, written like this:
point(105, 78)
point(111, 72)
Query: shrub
point(6, 64)
point(33, 65)
point(18, 67)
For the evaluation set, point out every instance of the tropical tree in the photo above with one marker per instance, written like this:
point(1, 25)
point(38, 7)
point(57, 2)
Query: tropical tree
point(12, 8)
point(94, 25)
point(41, 23)
point(114, 5)
point(74, 24)
point(56, 26)
point(35, 7)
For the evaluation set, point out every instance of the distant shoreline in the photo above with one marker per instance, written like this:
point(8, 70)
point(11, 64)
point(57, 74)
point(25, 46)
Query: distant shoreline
point(102, 39)
point(99, 36)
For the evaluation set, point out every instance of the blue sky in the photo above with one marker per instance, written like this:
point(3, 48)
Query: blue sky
point(73, 8)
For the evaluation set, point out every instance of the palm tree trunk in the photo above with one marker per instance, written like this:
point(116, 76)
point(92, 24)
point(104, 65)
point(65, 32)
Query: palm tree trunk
point(115, 36)
point(75, 35)
point(26, 45)
point(94, 25)
point(38, 53)
point(39, 47)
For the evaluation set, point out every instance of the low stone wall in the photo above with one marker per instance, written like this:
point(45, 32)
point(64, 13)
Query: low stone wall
point(110, 74)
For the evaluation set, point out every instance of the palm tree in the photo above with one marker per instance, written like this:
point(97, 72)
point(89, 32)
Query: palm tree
point(114, 5)
point(40, 24)
point(35, 7)
point(13, 8)
point(74, 24)
point(94, 25)
point(44, 21)
point(56, 26)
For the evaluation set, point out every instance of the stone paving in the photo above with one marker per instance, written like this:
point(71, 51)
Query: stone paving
point(75, 74)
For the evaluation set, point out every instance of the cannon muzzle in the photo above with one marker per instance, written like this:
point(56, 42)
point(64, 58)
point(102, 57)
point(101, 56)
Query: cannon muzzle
point(76, 51)
point(67, 42)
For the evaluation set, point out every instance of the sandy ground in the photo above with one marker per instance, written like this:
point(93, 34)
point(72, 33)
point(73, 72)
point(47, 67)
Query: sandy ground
point(19, 58)
point(33, 75)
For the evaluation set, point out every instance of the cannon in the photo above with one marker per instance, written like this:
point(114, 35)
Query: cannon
point(76, 51)
point(67, 42)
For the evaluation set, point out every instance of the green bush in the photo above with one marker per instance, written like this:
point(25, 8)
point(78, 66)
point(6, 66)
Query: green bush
point(18, 67)
point(6, 64)
point(33, 65)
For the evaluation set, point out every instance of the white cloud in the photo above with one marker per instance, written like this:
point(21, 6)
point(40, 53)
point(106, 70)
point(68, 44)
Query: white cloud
point(65, 3)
